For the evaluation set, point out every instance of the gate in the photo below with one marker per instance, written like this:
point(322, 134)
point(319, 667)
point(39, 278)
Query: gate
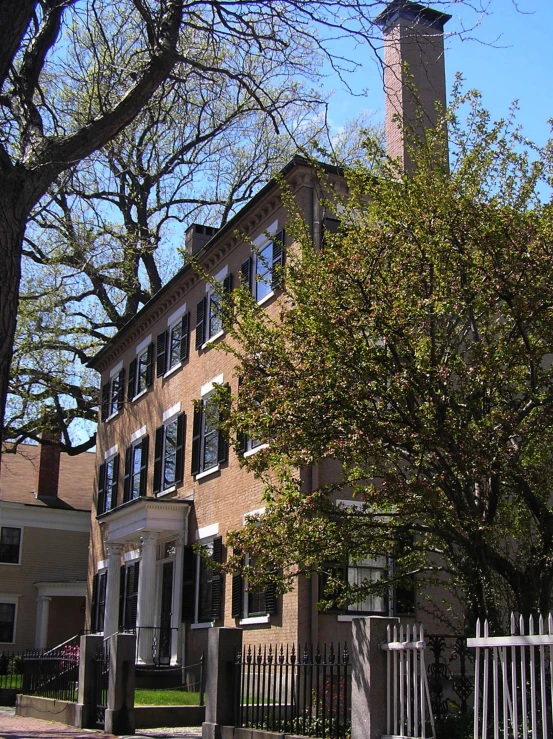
point(101, 683)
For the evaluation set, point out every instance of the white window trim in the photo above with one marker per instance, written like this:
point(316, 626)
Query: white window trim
point(256, 449)
point(252, 514)
point(132, 556)
point(171, 413)
point(167, 491)
point(203, 625)
point(115, 370)
point(143, 344)
point(255, 620)
point(11, 599)
point(111, 452)
point(207, 532)
point(266, 298)
point(207, 473)
point(138, 434)
point(19, 558)
point(209, 386)
point(213, 338)
point(140, 394)
point(267, 235)
point(173, 369)
point(176, 315)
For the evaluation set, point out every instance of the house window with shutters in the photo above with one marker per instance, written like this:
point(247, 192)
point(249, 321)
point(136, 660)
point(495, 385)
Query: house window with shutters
point(249, 605)
point(136, 469)
point(169, 453)
point(205, 586)
point(128, 602)
point(141, 369)
point(262, 272)
point(172, 345)
point(357, 574)
point(108, 481)
point(209, 442)
point(209, 312)
point(113, 392)
point(98, 602)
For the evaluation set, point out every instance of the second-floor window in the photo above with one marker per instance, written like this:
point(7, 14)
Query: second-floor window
point(136, 469)
point(172, 345)
point(113, 394)
point(209, 443)
point(108, 480)
point(169, 454)
point(10, 544)
point(210, 315)
point(262, 272)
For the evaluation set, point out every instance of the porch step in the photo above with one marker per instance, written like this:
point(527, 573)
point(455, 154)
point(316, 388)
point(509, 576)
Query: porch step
point(150, 676)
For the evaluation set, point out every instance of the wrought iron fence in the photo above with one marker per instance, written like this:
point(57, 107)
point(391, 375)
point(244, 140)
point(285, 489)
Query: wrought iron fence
point(51, 673)
point(306, 692)
point(101, 683)
point(11, 670)
point(450, 671)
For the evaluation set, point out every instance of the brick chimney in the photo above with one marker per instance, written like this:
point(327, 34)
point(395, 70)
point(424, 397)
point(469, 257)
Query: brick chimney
point(48, 467)
point(196, 236)
point(413, 36)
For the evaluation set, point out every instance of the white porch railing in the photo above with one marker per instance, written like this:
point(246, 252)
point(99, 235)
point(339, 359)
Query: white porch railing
point(408, 697)
point(513, 691)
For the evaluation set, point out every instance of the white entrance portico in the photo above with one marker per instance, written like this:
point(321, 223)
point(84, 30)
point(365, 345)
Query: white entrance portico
point(158, 529)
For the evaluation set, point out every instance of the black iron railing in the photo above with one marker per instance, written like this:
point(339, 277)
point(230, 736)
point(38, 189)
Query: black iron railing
point(450, 672)
point(11, 670)
point(101, 683)
point(305, 691)
point(52, 673)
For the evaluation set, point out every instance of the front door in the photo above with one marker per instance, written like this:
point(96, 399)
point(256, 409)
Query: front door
point(164, 654)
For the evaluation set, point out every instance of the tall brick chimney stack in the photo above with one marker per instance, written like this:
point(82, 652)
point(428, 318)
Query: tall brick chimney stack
point(413, 36)
point(48, 474)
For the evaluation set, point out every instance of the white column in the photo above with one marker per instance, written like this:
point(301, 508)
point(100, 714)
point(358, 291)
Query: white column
point(111, 620)
point(146, 597)
point(42, 613)
point(176, 623)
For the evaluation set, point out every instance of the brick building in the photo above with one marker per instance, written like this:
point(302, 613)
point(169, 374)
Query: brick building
point(166, 476)
point(45, 503)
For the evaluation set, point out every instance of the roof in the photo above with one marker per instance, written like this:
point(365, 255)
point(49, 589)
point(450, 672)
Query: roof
point(222, 233)
point(412, 11)
point(18, 479)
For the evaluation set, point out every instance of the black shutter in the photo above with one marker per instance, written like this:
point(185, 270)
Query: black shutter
point(161, 353)
point(94, 604)
point(278, 260)
point(196, 441)
point(246, 272)
point(179, 457)
point(145, 445)
point(106, 390)
point(227, 283)
point(217, 581)
point(131, 383)
point(150, 365)
point(226, 307)
point(158, 458)
point(127, 478)
point(270, 599)
point(222, 448)
point(241, 437)
point(101, 504)
point(185, 337)
point(188, 589)
point(200, 323)
point(121, 389)
point(237, 594)
point(131, 606)
point(122, 590)
point(115, 481)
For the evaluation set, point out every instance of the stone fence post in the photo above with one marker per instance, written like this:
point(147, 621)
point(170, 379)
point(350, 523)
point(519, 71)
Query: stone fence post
point(120, 709)
point(86, 698)
point(222, 644)
point(368, 684)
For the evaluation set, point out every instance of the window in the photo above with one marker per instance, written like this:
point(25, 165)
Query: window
point(128, 601)
point(210, 315)
point(108, 480)
point(208, 582)
point(169, 454)
point(173, 345)
point(265, 268)
point(140, 371)
point(209, 443)
point(251, 604)
point(113, 395)
point(7, 622)
point(136, 470)
point(98, 602)
point(10, 545)
point(368, 571)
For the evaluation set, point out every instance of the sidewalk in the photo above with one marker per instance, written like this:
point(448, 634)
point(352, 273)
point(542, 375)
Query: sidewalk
point(16, 727)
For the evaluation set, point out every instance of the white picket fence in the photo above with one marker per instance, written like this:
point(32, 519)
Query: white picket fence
point(513, 677)
point(408, 697)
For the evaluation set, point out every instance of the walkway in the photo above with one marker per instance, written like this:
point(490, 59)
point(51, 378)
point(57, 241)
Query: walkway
point(16, 727)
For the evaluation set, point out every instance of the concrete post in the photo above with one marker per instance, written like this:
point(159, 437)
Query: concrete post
point(120, 708)
point(111, 621)
point(146, 602)
point(368, 684)
point(222, 644)
point(86, 699)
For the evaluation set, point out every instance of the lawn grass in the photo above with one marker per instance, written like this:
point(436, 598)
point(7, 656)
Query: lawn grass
point(176, 697)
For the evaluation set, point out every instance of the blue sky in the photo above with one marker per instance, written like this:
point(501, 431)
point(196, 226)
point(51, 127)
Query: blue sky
point(508, 56)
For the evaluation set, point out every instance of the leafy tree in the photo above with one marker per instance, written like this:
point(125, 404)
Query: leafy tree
point(74, 73)
point(413, 355)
